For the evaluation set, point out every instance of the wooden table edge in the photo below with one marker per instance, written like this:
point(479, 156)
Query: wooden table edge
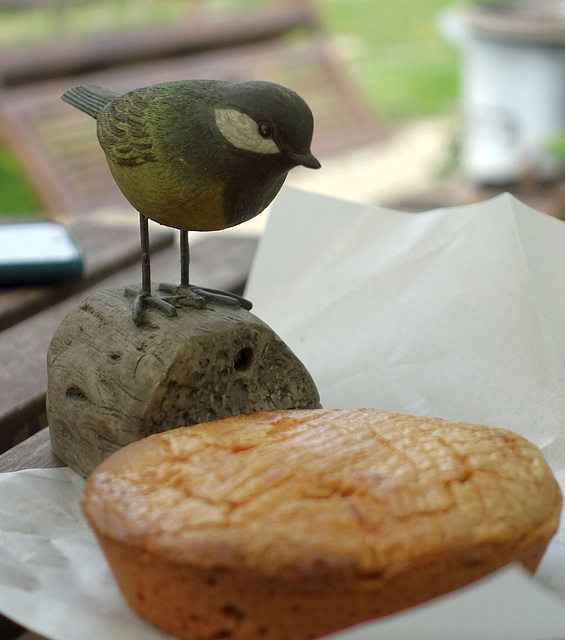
point(33, 453)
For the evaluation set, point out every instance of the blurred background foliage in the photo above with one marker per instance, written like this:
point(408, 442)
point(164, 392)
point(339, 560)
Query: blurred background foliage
point(392, 49)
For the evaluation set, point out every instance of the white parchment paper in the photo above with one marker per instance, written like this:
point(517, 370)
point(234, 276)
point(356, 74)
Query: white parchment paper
point(458, 313)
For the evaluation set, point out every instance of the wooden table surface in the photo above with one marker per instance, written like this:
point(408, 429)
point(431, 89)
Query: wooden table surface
point(33, 453)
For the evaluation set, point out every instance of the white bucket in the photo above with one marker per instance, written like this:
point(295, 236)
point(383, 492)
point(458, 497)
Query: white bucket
point(512, 87)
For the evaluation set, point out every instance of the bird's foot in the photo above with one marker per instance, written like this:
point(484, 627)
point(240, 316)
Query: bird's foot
point(194, 296)
point(142, 300)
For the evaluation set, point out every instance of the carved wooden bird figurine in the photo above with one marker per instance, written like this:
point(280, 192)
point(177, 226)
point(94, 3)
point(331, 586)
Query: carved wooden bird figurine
point(198, 155)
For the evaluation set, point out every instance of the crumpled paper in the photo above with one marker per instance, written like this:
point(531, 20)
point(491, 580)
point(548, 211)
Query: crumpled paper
point(455, 313)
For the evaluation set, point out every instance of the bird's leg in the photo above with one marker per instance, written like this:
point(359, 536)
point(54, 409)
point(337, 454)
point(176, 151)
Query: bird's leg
point(144, 298)
point(183, 294)
point(192, 295)
point(145, 256)
point(184, 258)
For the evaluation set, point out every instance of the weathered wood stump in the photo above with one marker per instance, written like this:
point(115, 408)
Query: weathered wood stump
point(110, 382)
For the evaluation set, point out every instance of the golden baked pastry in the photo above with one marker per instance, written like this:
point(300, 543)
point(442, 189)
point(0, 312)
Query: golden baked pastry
point(289, 525)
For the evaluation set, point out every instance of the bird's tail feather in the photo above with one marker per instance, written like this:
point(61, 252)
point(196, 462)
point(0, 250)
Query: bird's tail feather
point(89, 98)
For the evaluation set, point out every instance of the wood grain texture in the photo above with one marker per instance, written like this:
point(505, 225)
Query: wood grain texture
point(111, 382)
point(33, 453)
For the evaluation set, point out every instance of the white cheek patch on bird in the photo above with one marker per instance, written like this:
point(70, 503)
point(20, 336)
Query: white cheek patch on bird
point(243, 132)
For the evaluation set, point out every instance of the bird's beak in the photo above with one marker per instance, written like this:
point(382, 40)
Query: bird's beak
point(305, 159)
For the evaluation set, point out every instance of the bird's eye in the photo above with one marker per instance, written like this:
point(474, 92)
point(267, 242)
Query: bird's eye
point(265, 130)
point(243, 132)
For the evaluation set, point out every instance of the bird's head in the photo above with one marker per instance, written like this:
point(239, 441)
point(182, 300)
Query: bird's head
point(267, 119)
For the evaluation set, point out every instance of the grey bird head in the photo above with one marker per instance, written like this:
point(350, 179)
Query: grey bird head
point(268, 119)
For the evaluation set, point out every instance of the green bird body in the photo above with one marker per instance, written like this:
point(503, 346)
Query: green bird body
point(197, 155)
point(189, 154)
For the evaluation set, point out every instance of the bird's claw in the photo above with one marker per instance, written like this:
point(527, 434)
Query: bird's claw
point(225, 297)
point(195, 296)
point(181, 296)
point(194, 302)
point(143, 300)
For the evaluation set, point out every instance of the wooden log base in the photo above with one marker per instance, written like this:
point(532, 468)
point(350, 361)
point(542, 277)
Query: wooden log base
point(110, 382)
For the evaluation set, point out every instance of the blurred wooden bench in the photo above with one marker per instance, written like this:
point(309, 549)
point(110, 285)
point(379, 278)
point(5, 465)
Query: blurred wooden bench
point(200, 29)
point(56, 144)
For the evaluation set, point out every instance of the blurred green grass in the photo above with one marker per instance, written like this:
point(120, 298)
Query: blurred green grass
point(396, 54)
point(391, 48)
point(87, 17)
point(17, 196)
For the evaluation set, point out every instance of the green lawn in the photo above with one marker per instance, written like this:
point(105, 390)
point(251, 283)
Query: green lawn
point(392, 48)
point(397, 54)
point(16, 194)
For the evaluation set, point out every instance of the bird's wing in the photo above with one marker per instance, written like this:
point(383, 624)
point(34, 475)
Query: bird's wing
point(122, 130)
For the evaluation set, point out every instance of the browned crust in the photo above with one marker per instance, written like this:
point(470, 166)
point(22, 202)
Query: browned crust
point(207, 604)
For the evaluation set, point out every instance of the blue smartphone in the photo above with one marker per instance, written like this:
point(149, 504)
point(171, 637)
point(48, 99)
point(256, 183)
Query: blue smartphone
point(38, 252)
